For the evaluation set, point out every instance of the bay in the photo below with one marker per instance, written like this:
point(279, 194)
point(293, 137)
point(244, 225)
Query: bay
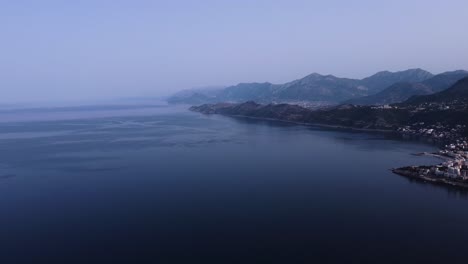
point(165, 185)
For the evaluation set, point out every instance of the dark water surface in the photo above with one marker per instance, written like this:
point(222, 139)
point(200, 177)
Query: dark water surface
point(164, 185)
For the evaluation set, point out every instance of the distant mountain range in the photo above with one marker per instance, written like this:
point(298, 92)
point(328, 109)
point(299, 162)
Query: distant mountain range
point(196, 96)
point(447, 108)
point(384, 79)
point(312, 88)
point(456, 94)
point(400, 91)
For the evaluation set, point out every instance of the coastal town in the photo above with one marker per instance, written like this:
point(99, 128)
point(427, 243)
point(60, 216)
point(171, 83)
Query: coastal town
point(452, 136)
point(436, 132)
point(454, 170)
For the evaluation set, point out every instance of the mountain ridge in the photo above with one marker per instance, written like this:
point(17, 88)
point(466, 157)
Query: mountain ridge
point(447, 109)
point(457, 93)
point(401, 91)
point(316, 87)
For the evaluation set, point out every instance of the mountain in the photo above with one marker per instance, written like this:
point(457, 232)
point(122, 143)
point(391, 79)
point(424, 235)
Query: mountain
point(395, 93)
point(248, 91)
point(456, 94)
point(196, 95)
point(444, 114)
point(312, 88)
point(316, 87)
point(444, 80)
point(400, 92)
point(384, 79)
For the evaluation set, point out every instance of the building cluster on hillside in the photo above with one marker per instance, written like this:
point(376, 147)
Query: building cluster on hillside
point(456, 167)
point(313, 105)
point(458, 147)
point(454, 170)
point(386, 106)
point(437, 106)
point(437, 131)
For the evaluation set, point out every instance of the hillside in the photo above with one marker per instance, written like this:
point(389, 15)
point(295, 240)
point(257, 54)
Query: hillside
point(196, 95)
point(344, 116)
point(444, 80)
point(445, 111)
point(316, 87)
point(400, 92)
point(312, 88)
point(395, 93)
point(384, 79)
point(261, 92)
point(457, 94)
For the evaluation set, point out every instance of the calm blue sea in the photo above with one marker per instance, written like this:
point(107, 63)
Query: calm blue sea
point(160, 184)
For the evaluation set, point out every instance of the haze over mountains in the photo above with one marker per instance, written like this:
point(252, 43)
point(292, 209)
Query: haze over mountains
point(381, 88)
point(447, 108)
point(400, 91)
point(456, 94)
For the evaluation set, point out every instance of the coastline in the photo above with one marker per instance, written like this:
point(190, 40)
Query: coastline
point(406, 172)
point(435, 155)
point(403, 171)
point(315, 124)
point(453, 171)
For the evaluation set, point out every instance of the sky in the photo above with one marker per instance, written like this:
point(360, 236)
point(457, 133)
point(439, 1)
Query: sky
point(95, 49)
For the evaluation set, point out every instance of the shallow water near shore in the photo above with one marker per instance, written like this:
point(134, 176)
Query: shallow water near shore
point(165, 185)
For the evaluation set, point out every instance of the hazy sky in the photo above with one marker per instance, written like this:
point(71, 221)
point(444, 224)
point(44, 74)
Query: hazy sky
point(54, 50)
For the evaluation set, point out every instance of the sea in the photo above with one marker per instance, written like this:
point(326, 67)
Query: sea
point(157, 183)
